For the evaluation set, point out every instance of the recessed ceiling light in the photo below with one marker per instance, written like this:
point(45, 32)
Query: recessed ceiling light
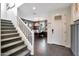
point(34, 8)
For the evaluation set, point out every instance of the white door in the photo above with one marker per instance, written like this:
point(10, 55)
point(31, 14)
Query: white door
point(59, 34)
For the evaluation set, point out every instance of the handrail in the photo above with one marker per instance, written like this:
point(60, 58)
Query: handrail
point(29, 34)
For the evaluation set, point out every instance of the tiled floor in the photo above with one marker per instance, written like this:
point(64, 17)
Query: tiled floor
point(43, 49)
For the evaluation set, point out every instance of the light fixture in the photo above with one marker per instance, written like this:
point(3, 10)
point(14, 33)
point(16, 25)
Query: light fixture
point(10, 5)
point(34, 8)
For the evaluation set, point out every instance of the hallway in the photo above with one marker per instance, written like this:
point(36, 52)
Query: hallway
point(43, 49)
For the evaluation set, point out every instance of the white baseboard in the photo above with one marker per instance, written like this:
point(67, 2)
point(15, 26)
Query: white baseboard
point(58, 44)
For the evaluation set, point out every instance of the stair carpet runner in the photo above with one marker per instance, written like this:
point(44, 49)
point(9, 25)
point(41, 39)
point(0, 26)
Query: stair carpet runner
point(11, 42)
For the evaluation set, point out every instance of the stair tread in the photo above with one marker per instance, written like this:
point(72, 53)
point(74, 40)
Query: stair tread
point(5, 20)
point(10, 38)
point(24, 53)
point(7, 27)
point(10, 44)
point(7, 24)
point(14, 50)
point(9, 30)
point(8, 34)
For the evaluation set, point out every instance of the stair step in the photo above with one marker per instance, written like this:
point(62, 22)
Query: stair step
point(9, 40)
point(24, 53)
point(8, 31)
point(7, 28)
point(5, 20)
point(19, 52)
point(11, 47)
point(8, 34)
point(7, 25)
point(10, 44)
point(3, 36)
point(14, 50)
point(2, 22)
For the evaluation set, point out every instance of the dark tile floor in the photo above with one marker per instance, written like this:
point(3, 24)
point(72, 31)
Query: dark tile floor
point(41, 48)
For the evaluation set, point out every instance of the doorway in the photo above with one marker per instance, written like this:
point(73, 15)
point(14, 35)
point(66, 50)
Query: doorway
point(60, 29)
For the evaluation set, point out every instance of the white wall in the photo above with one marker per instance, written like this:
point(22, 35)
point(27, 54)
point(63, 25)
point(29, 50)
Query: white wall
point(12, 15)
point(3, 11)
point(52, 38)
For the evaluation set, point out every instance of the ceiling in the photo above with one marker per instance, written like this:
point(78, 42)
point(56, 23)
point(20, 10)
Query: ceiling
point(42, 9)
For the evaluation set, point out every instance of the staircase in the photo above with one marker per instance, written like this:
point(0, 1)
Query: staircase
point(11, 42)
